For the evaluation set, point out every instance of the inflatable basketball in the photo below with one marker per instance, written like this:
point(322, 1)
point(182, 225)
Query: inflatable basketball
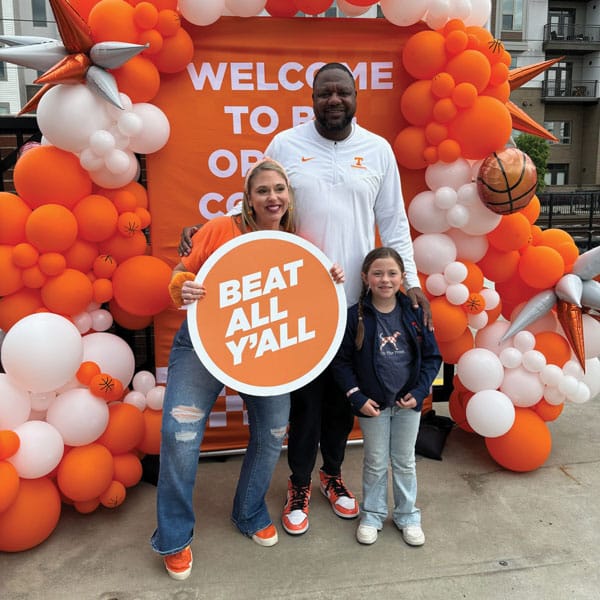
point(507, 180)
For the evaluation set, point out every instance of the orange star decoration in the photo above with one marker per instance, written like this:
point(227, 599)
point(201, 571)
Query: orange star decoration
point(571, 318)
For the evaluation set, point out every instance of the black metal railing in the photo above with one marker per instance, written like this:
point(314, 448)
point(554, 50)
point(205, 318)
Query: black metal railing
point(577, 213)
point(571, 33)
point(570, 89)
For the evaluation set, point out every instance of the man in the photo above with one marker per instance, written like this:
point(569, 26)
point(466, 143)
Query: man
point(346, 182)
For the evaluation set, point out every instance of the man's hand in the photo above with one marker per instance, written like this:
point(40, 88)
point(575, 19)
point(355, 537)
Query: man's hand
point(418, 298)
point(185, 241)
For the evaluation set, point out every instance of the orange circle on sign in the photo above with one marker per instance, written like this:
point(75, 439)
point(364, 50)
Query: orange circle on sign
point(272, 318)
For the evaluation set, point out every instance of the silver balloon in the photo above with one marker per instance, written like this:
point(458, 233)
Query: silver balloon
point(535, 308)
point(102, 83)
point(112, 55)
point(568, 288)
point(587, 266)
point(40, 57)
point(590, 295)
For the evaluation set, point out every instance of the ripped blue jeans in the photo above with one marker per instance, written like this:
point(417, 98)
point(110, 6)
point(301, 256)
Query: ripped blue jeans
point(189, 397)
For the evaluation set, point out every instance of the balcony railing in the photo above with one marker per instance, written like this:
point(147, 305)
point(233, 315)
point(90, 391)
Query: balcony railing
point(572, 33)
point(571, 91)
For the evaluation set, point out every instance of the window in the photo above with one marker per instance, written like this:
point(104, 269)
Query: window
point(556, 174)
point(4, 108)
point(3, 73)
point(512, 15)
point(38, 10)
point(560, 129)
point(558, 79)
point(562, 23)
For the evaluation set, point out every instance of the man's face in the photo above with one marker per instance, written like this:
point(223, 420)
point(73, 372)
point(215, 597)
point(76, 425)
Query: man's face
point(334, 101)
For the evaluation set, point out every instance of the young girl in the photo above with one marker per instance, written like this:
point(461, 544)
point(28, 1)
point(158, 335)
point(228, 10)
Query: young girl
point(386, 365)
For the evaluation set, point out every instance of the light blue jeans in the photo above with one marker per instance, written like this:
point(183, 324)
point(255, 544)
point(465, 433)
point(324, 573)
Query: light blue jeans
point(189, 397)
point(390, 437)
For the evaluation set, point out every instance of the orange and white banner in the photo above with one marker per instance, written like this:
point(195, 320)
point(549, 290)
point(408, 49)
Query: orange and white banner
point(249, 79)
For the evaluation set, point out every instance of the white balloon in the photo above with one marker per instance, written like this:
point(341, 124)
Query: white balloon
point(572, 367)
point(522, 387)
point(41, 449)
point(490, 413)
point(155, 131)
point(119, 162)
point(480, 369)
point(457, 216)
point(89, 160)
point(155, 397)
point(101, 142)
point(592, 376)
point(83, 322)
point(468, 195)
point(552, 395)
point(524, 340)
point(107, 179)
point(68, 114)
point(79, 416)
point(137, 399)
point(480, 13)
point(551, 375)
point(456, 272)
point(424, 216)
point(478, 321)
point(582, 394)
point(468, 247)
point(490, 337)
point(351, 10)
point(436, 284)
point(591, 336)
point(130, 124)
point(445, 197)
point(143, 381)
point(534, 361)
point(454, 174)
point(111, 353)
point(481, 219)
point(511, 358)
point(245, 8)
point(459, 9)
point(41, 401)
point(457, 293)
point(491, 297)
point(15, 403)
point(433, 251)
point(403, 13)
point(101, 320)
point(568, 385)
point(42, 351)
point(201, 13)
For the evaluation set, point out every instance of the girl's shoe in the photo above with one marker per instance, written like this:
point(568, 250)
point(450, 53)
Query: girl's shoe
point(366, 534)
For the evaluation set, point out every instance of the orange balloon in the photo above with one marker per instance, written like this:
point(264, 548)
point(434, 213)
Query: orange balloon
point(113, 20)
point(13, 216)
point(106, 387)
point(18, 305)
point(67, 294)
point(128, 468)
point(513, 232)
point(126, 319)
point(409, 147)
point(140, 285)
point(128, 224)
point(51, 228)
point(125, 429)
point(548, 412)
point(124, 201)
point(494, 313)
point(525, 446)
point(104, 266)
point(444, 110)
point(475, 304)
point(442, 85)
point(145, 15)
point(31, 517)
point(456, 42)
point(177, 51)
point(102, 290)
point(450, 320)
point(541, 267)
point(9, 443)
point(138, 78)
point(470, 66)
point(121, 248)
point(417, 102)
point(424, 54)
point(25, 255)
point(133, 187)
point(168, 22)
point(144, 216)
point(500, 92)
point(85, 472)
point(486, 115)
point(9, 484)
point(499, 266)
point(86, 371)
point(12, 279)
point(449, 151)
point(562, 242)
point(515, 290)
point(430, 154)
point(52, 264)
point(474, 278)
point(153, 40)
point(34, 277)
point(150, 443)
point(499, 74)
point(114, 495)
point(49, 175)
point(532, 211)
point(96, 217)
point(453, 350)
point(464, 94)
point(81, 256)
point(457, 407)
point(435, 133)
point(554, 347)
point(85, 507)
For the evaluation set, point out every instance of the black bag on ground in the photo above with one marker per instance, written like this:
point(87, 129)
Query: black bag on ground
point(433, 431)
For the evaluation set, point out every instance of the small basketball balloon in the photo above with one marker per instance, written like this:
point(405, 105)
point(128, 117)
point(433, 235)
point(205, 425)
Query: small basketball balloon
point(507, 181)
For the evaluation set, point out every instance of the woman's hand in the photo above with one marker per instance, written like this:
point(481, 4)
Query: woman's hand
point(370, 408)
point(192, 291)
point(337, 273)
point(407, 401)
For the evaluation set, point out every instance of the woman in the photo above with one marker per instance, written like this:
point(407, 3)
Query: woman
point(192, 391)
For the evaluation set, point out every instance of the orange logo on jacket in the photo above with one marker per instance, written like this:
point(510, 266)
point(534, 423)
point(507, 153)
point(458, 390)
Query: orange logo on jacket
point(358, 160)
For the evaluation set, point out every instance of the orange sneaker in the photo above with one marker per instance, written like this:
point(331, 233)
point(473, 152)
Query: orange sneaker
point(266, 536)
point(295, 512)
point(342, 500)
point(179, 565)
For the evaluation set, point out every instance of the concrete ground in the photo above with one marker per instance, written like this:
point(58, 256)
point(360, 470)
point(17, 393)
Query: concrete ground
point(491, 534)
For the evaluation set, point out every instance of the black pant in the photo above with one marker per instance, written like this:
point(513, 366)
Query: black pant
point(320, 413)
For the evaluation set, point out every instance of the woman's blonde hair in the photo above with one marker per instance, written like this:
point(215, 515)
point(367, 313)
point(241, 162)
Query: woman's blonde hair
point(248, 222)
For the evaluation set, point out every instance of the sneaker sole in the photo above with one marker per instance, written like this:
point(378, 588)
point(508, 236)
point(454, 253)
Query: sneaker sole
point(335, 510)
point(294, 531)
point(265, 542)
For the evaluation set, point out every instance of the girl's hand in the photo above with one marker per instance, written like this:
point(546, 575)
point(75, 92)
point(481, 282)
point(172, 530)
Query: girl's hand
point(370, 408)
point(192, 291)
point(337, 273)
point(406, 402)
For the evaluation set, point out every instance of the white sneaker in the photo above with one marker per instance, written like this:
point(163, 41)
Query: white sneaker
point(366, 534)
point(413, 535)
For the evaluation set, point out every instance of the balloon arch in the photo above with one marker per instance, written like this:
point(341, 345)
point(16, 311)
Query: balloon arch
point(74, 416)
